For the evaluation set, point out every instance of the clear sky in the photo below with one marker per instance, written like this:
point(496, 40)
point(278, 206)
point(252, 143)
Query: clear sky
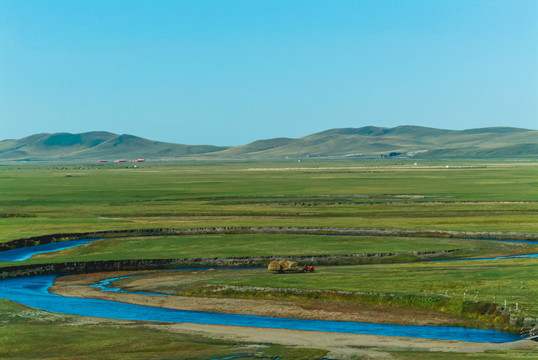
point(227, 72)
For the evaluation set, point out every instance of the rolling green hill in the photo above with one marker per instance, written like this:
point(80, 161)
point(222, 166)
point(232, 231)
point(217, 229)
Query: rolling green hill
point(369, 142)
point(412, 141)
point(93, 146)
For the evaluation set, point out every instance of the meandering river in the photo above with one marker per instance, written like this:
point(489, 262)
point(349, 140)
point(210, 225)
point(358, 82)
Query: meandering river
point(26, 253)
point(33, 291)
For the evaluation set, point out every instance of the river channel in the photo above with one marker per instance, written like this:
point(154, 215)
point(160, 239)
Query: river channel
point(33, 291)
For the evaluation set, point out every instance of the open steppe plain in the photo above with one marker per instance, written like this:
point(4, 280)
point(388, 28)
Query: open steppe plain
point(446, 207)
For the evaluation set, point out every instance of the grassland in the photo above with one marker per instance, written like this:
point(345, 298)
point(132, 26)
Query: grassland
point(471, 290)
point(474, 280)
point(40, 199)
point(501, 196)
point(488, 355)
point(34, 334)
point(223, 246)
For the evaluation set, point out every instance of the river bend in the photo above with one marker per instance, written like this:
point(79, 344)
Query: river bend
point(33, 291)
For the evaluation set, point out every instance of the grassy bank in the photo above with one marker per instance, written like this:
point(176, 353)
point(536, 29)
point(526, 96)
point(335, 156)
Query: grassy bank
point(507, 354)
point(249, 245)
point(474, 290)
point(33, 334)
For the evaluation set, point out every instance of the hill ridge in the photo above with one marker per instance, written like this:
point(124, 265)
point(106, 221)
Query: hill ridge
point(366, 141)
point(94, 145)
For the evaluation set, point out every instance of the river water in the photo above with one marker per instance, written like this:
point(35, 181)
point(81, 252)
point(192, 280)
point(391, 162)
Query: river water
point(26, 253)
point(33, 291)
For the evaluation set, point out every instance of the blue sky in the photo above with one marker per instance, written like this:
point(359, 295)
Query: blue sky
point(227, 72)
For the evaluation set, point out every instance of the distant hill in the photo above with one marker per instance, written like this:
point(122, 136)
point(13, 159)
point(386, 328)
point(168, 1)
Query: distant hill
point(406, 141)
point(93, 146)
point(368, 142)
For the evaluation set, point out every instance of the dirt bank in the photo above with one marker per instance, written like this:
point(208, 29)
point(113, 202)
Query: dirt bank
point(75, 285)
point(341, 346)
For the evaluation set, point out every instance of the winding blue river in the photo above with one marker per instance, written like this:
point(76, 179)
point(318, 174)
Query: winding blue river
point(25, 253)
point(33, 291)
point(105, 285)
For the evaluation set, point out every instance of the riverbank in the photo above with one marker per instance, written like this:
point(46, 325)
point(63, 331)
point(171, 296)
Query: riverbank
point(79, 267)
point(78, 286)
point(436, 291)
point(333, 303)
point(340, 346)
point(315, 246)
point(45, 239)
point(345, 346)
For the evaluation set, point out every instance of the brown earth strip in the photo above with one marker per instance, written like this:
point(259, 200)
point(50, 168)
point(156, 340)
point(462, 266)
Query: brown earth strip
point(341, 346)
point(74, 285)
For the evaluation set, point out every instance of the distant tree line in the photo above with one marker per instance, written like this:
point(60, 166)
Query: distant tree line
point(383, 156)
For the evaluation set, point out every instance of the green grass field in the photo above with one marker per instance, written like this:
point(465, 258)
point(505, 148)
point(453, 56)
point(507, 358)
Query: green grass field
point(228, 245)
point(513, 280)
point(462, 288)
point(35, 334)
point(39, 199)
point(501, 196)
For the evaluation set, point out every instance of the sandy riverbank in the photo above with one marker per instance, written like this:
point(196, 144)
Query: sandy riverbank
point(278, 308)
point(341, 346)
